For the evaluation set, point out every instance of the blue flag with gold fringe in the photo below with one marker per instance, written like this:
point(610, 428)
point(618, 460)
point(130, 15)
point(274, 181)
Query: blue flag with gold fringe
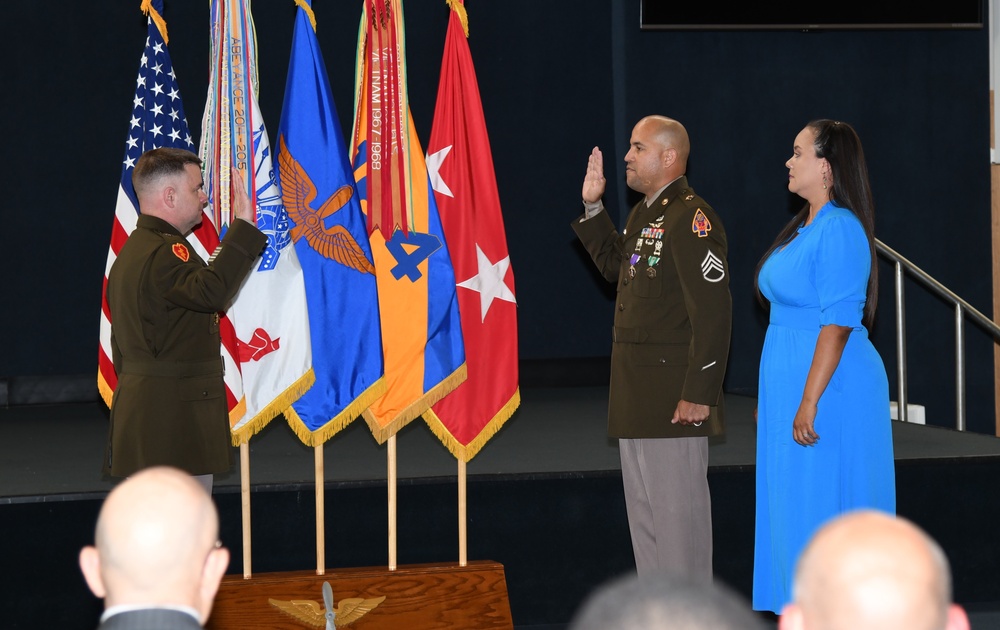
point(329, 232)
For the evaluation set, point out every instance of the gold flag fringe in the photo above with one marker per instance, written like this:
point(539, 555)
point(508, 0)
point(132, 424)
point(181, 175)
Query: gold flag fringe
point(467, 452)
point(147, 8)
point(417, 407)
point(339, 422)
point(104, 390)
point(277, 406)
point(463, 17)
point(312, 17)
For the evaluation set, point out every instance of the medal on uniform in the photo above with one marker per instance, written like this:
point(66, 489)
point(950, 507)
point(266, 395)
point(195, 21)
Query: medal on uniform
point(631, 269)
point(651, 272)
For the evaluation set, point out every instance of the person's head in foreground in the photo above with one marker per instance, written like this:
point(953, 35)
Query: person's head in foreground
point(868, 570)
point(664, 602)
point(156, 544)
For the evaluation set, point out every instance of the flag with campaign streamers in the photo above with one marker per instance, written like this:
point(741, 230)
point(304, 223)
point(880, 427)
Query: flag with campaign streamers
point(461, 170)
point(269, 314)
point(418, 307)
point(331, 239)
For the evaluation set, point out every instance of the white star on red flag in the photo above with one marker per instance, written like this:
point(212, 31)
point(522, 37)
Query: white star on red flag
point(489, 282)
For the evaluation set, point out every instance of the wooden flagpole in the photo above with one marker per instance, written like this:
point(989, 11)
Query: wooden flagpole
point(391, 483)
point(463, 558)
point(320, 515)
point(245, 496)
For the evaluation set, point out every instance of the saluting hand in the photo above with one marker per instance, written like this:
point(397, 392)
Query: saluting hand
point(243, 208)
point(594, 182)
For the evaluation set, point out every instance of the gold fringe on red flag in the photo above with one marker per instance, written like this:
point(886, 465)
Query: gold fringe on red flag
point(458, 6)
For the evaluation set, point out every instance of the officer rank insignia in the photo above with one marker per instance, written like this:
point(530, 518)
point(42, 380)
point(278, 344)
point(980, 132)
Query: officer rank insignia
point(180, 251)
point(700, 224)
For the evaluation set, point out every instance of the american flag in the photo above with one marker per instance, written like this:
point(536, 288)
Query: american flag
point(157, 120)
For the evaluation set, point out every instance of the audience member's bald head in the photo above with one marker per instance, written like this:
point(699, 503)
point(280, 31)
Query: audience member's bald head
point(869, 570)
point(156, 543)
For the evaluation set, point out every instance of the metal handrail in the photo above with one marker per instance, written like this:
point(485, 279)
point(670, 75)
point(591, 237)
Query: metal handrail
point(962, 309)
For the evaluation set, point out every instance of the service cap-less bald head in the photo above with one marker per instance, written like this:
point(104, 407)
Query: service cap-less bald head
point(156, 544)
point(869, 570)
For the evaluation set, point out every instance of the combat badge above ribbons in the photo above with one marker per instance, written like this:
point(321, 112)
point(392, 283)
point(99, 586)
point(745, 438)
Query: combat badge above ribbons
point(700, 224)
point(181, 251)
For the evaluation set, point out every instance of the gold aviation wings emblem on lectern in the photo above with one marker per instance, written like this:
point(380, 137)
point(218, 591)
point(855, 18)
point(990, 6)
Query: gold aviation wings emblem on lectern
point(310, 612)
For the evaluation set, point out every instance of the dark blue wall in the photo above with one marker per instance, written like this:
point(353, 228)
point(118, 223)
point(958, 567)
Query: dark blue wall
point(556, 78)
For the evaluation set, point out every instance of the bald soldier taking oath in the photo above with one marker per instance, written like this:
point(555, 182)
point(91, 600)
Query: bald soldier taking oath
point(670, 344)
point(169, 407)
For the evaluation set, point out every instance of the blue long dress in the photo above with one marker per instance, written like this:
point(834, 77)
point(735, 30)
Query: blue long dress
point(817, 278)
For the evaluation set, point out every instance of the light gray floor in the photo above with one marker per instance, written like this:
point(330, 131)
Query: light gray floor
point(52, 453)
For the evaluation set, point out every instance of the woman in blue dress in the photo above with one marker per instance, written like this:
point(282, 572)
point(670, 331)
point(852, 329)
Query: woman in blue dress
point(824, 438)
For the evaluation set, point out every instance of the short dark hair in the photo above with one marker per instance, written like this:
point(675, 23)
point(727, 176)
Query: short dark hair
point(664, 601)
point(157, 163)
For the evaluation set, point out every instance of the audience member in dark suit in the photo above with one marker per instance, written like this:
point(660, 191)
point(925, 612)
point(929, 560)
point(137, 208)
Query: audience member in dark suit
point(665, 601)
point(869, 570)
point(156, 560)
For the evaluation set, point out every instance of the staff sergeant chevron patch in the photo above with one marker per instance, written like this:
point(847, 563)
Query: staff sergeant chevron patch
point(712, 268)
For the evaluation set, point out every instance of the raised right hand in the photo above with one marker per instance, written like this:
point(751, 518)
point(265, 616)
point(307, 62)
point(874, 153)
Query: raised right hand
point(243, 207)
point(594, 182)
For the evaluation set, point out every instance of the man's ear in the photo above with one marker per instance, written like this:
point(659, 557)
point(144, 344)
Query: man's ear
point(669, 156)
point(90, 565)
point(791, 618)
point(957, 618)
point(169, 194)
point(211, 575)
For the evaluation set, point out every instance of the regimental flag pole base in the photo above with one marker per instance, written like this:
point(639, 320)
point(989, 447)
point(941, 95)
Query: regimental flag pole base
point(418, 596)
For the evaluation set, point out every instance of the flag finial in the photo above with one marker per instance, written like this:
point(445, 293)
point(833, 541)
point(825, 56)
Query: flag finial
point(148, 9)
point(459, 7)
point(302, 4)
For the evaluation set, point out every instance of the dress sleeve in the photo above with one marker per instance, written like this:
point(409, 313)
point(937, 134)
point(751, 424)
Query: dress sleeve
point(843, 264)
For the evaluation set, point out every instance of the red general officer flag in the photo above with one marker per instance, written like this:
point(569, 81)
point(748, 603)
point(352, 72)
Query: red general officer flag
point(460, 166)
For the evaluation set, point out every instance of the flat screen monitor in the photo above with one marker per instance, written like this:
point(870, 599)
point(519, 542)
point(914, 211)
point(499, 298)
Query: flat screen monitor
point(809, 16)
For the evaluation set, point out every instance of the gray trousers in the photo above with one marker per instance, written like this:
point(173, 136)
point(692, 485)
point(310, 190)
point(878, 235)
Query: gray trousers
point(668, 504)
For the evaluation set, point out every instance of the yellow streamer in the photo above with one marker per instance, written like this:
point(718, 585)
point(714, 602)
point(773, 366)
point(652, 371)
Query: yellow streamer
point(463, 17)
point(147, 8)
point(308, 9)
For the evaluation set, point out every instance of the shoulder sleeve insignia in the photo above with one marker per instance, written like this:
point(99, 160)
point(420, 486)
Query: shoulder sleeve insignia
point(180, 251)
point(700, 224)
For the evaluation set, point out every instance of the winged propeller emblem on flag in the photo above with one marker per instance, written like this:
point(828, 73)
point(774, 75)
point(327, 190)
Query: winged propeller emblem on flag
point(335, 241)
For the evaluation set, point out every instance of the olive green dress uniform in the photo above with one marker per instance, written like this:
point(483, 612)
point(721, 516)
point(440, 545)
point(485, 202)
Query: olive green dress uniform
point(169, 407)
point(670, 342)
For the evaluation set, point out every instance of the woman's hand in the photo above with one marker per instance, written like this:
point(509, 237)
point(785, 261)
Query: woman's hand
point(803, 430)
